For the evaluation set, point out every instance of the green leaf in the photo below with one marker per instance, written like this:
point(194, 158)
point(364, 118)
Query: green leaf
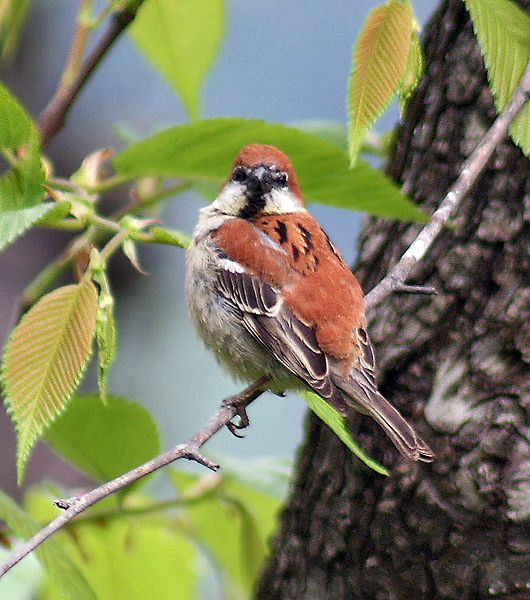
point(268, 475)
point(59, 566)
point(104, 441)
point(204, 152)
point(56, 212)
point(233, 524)
point(329, 131)
point(21, 188)
point(130, 251)
point(413, 72)
point(379, 63)
point(106, 336)
point(44, 361)
point(133, 560)
point(12, 16)
point(171, 237)
point(13, 223)
point(335, 421)
point(181, 39)
point(503, 32)
point(335, 133)
point(16, 127)
point(23, 582)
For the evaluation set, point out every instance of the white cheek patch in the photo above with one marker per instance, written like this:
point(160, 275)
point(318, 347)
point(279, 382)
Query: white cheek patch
point(231, 199)
point(280, 202)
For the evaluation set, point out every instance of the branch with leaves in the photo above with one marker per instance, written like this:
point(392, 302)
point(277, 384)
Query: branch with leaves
point(472, 168)
point(51, 346)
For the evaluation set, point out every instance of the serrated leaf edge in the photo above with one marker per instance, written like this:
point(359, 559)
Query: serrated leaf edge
point(353, 123)
point(23, 456)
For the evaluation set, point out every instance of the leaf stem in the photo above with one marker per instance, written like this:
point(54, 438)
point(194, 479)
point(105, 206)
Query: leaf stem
point(114, 244)
point(65, 225)
point(107, 184)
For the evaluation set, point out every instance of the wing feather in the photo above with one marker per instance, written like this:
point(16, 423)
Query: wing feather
point(291, 341)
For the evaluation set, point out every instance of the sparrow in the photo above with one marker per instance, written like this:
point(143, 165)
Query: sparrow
point(272, 297)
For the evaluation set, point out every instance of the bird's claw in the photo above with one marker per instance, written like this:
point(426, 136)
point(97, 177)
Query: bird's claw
point(244, 421)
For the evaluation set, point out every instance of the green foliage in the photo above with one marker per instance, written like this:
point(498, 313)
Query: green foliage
point(21, 582)
point(104, 441)
point(52, 555)
point(335, 421)
point(106, 336)
point(268, 475)
point(413, 72)
point(16, 127)
point(379, 65)
point(181, 39)
point(21, 189)
point(203, 152)
point(244, 519)
point(45, 359)
point(133, 561)
point(329, 131)
point(13, 223)
point(123, 558)
point(169, 237)
point(12, 17)
point(503, 32)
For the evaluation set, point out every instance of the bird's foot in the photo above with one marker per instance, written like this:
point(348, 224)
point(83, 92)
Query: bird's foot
point(243, 420)
point(239, 403)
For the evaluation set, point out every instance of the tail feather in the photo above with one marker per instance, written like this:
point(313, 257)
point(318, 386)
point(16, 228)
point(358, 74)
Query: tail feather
point(369, 400)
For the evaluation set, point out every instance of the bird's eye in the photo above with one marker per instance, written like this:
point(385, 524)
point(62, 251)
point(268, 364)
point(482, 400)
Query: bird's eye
point(239, 174)
point(282, 178)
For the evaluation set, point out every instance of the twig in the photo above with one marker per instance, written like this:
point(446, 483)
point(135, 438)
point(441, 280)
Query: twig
point(426, 290)
point(471, 169)
point(190, 449)
point(53, 116)
point(77, 47)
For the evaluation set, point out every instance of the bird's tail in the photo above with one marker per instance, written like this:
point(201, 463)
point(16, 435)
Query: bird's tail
point(406, 440)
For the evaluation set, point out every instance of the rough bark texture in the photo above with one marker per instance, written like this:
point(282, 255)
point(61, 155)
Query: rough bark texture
point(456, 364)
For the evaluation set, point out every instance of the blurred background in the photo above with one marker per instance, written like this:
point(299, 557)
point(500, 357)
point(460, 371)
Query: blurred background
point(282, 60)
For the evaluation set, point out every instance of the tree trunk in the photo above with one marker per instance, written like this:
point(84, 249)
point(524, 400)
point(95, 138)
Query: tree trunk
point(456, 364)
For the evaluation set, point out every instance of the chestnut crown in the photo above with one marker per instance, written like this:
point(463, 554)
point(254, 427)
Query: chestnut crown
point(262, 181)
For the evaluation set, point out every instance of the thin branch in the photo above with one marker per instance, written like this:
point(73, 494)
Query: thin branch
point(426, 290)
point(53, 116)
point(230, 407)
point(77, 47)
point(471, 169)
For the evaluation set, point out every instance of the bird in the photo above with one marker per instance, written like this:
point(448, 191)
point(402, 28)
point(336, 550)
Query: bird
point(271, 296)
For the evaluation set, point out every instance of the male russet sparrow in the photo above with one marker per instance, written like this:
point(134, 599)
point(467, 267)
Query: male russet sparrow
point(272, 297)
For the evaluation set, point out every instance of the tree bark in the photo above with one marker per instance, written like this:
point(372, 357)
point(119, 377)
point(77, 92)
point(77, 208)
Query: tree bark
point(457, 364)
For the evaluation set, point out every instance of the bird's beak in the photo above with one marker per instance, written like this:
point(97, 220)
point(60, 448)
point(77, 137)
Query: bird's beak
point(260, 180)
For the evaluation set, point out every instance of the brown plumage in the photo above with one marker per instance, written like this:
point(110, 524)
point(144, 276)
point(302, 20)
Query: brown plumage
point(285, 286)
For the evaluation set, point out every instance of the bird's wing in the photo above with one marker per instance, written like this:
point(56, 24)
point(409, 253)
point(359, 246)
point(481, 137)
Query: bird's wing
point(290, 340)
point(294, 294)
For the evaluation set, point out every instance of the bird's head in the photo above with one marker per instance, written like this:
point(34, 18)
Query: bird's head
point(262, 182)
